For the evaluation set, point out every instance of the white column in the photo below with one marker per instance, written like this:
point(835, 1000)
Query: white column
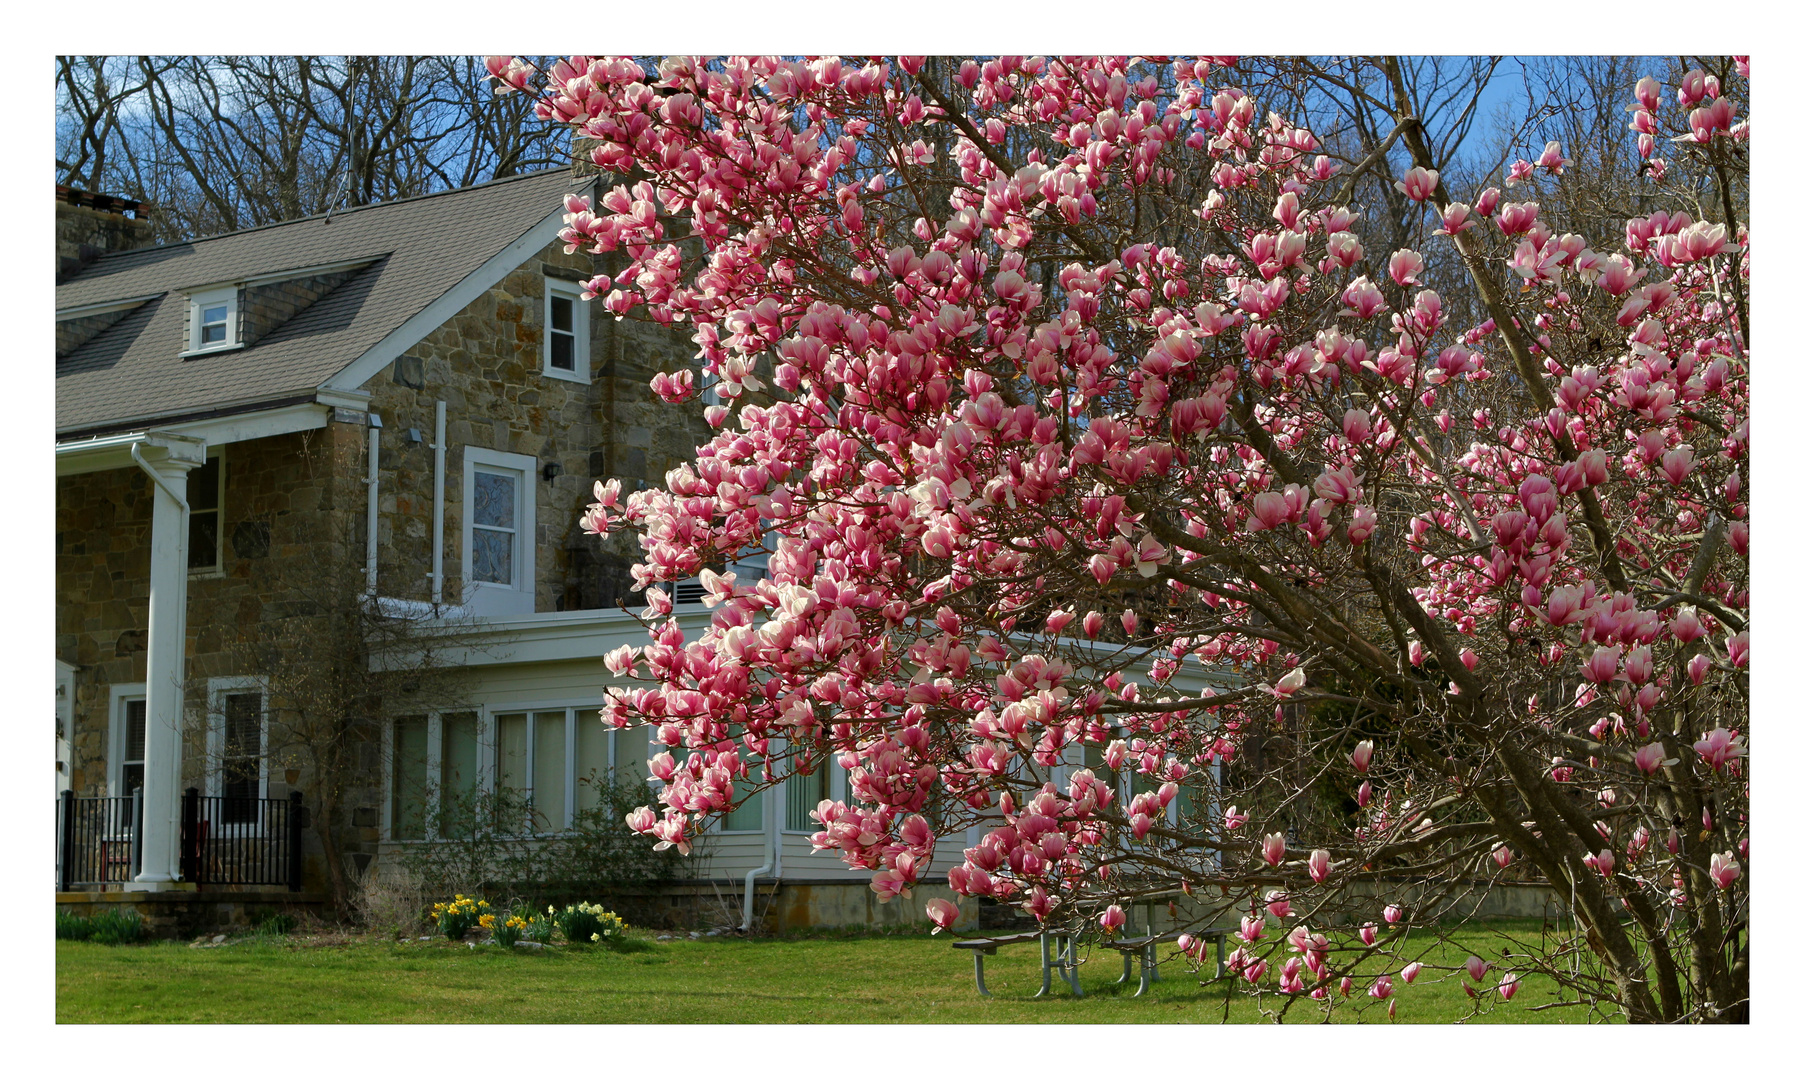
point(168, 465)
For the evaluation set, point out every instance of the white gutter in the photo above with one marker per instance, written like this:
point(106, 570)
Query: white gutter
point(371, 512)
point(438, 503)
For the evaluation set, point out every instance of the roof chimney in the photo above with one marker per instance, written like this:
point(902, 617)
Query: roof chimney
point(88, 226)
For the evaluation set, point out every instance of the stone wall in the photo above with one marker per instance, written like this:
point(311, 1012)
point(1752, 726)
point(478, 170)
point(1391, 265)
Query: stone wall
point(487, 364)
point(285, 529)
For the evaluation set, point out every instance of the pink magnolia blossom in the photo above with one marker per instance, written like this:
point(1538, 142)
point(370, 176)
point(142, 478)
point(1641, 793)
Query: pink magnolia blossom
point(943, 913)
point(1724, 870)
point(1272, 848)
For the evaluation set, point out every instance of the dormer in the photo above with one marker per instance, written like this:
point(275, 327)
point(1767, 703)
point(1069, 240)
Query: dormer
point(233, 315)
point(77, 326)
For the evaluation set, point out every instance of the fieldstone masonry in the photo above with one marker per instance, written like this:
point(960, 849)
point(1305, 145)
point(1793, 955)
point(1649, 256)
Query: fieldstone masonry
point(294, 502)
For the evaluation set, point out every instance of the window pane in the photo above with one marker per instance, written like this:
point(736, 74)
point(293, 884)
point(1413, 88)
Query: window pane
point(510, 769)
point(592, 758)
point(213, 314)
point(457, 775)
point(407, 785)
point(131, 777)
point(203, 486)
point(564, 356)
point(213, 334)
point(801, 795)
point(492, 556)
point(749, 815)
point(632, 747)
point(134, 730)
point(561, 313)
point(203, 540)
point(244, 725)
point(494, 500)
point(549, 762)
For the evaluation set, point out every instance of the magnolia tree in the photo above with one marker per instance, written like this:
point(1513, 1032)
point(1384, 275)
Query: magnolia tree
point(1050, 384)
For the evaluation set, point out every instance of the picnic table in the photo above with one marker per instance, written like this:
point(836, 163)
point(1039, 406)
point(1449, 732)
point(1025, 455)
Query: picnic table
point(1058, 952)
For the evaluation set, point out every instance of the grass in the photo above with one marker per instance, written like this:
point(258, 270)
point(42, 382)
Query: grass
point(914, 979)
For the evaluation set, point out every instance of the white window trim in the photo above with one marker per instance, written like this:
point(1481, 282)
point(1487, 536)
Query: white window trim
point(217, 691)
point(489, 597)
point(579, 326)
point(218, 569)
point(198, 302)
point(117, 695)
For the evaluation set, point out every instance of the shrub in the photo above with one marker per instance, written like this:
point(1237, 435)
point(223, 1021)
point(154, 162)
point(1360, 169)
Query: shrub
point(277, 924)
point(485, 846)
point(389, 900)
point(462, 915)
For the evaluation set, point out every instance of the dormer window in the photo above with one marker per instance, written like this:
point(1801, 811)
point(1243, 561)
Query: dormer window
point(213, 320)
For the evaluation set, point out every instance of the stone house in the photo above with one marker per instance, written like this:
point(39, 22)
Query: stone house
point(392, 413)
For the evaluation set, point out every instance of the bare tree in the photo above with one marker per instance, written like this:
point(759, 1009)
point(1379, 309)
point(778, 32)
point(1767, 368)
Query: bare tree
point(218, 143)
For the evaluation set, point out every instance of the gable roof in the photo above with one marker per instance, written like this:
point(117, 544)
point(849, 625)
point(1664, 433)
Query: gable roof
point(423, 249)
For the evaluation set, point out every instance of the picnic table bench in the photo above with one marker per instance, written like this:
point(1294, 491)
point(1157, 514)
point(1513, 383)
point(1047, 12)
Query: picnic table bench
point(1058, 952)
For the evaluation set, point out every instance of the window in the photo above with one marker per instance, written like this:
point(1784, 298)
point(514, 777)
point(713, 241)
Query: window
point(498, 533)
point(206, 489)
point(126, 754)
point(566, 331)
point(212, 320)
point(801, 794)
point(545, 765)
point(236, 749)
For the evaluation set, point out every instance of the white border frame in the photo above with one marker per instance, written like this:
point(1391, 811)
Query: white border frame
point(488, 597)
point(198, 302)
point(117, 695)
point(579, 328)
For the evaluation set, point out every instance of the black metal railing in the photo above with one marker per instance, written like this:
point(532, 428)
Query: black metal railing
point(97, 840)
point(225, 840)
point(234, 840)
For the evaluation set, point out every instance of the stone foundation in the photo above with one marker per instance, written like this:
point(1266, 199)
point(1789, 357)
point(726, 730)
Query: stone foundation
point(185, 914)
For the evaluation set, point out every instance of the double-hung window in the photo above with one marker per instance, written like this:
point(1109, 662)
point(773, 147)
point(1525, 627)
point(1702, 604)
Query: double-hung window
point(126, 752)
point(212, 320)
point(498, 531)
point(206, 490)
point(237, 749)
point(566, 331)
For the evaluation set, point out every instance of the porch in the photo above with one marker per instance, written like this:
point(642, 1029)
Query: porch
point(224, 843)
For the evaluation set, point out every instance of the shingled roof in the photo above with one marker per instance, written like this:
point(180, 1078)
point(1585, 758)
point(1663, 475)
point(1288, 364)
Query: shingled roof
point(132, 373)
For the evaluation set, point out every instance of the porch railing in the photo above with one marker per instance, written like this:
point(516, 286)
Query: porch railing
point(225, 840)
point(97, 840)
point(231, 840)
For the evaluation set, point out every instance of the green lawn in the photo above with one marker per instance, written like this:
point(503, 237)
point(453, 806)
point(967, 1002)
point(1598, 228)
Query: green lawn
point(821, 979)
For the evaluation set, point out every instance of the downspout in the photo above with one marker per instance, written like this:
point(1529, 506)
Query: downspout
point(371, 511)
point(773, 856)
point(438, 504)
point(157, 479)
